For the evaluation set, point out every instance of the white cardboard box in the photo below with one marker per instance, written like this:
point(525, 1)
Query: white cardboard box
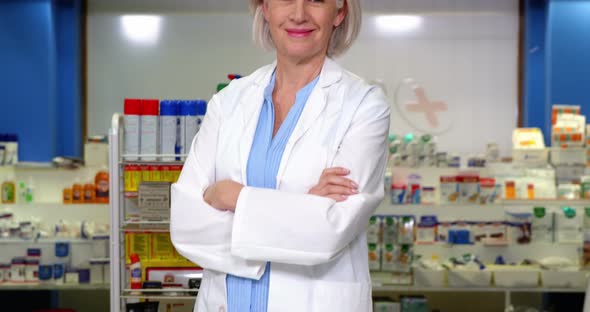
point(470, 278)
point(516, 277)
point(386, 306)
point(564, 279)
point(96, 154)
point(429, 278)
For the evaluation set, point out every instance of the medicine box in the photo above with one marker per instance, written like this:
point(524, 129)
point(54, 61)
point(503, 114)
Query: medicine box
point(154, 201)
point(449, 190)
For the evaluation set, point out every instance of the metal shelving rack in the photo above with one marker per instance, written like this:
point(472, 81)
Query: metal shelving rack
point(378, 289)
point(51, 287)
point(119, 225)
point(117, 267)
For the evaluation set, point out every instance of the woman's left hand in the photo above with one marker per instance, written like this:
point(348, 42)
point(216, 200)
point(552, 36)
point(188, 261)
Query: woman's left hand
point(223, 195)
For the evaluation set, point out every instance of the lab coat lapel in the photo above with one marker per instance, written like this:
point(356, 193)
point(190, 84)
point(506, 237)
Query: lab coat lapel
point(251, 103)
point(248, 127)
point(331, 73)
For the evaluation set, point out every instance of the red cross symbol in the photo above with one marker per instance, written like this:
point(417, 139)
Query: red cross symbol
point(424, 105)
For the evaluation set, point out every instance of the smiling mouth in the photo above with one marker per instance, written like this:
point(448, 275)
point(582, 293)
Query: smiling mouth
point(299, 33)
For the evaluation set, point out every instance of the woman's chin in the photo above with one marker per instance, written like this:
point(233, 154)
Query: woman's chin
point(300, 52)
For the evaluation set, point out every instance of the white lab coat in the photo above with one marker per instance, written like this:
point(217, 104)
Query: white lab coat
point(317, 247)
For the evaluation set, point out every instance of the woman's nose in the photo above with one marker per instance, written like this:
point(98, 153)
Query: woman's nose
point(298, 14)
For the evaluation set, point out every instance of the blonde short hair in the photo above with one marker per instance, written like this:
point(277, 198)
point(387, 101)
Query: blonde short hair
point(342, 37)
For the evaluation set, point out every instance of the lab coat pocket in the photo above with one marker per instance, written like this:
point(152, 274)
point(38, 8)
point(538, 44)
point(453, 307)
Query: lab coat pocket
point(340, 296)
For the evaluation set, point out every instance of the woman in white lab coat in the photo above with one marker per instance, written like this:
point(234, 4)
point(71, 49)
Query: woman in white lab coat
point(279, 184)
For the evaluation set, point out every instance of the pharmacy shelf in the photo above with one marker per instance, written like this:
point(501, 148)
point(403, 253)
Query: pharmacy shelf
point(145, 222)
point(52, 240)
point(145, 226)
point(396, 288)
point(152, 163)
point(501, 204)
point(400, 288)
point(158, 297)
point(127, 156)
point(35, 165)
point(385, 288)
point(52, 213)
point(49, 183)
point(45, 166)
point(42, 166)
point(163, 290)
point(56, 205)
point(475, 212)
point(41, 286)
point(160, 294)
point(549, 201)
point(137, 159)
point(145, 230)
point(512, 253)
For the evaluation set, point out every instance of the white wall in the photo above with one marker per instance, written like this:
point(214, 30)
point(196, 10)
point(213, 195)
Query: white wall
point(463, 53)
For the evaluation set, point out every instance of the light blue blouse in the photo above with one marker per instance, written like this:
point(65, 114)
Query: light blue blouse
point(243, 294)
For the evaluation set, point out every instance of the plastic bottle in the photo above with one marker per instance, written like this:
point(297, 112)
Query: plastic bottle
point(530, 191)
point(188, 125)
point(8, 191)
point(148, 140)
point(89, 191)
point(101, 181)
point(63, 255)
point(135, 271)
point(510, 190)
point(131, 127)
point(30, 191)
point(168, 124)
point(3, 149)
point(17, 270)
point(179, 132)
point(21, 192)
point(77, 192)
point(32, 271)
point(2, 153)
point(414, 189)
point(11, 146)
point(222, 85)
point(67, 194)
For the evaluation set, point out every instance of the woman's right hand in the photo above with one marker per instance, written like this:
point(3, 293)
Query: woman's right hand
point(223, 195)
point(333, 184)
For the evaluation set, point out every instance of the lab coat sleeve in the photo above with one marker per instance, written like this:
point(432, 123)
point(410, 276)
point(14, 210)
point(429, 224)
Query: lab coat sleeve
point(305, 229)
point(198, 231)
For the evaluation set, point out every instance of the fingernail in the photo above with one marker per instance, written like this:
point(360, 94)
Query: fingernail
point(354, 185)
point(355, 191)
point(344, 196)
